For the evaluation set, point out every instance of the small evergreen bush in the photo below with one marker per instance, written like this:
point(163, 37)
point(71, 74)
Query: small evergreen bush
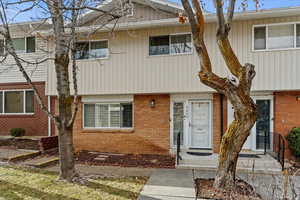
point(293, 139)
point(17, 132)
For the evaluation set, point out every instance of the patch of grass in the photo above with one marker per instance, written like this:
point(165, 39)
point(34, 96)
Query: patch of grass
point(26, 184)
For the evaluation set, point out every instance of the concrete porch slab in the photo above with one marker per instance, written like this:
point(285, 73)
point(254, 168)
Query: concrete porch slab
point(167, 184)
point(261, 164)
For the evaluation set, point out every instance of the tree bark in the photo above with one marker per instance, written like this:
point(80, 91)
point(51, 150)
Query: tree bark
point(232, 143)
point(66, 154)
point(236, 89)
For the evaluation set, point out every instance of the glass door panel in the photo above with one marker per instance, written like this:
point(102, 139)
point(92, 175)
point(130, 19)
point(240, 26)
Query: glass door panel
point(263, 124)
point(178, 121)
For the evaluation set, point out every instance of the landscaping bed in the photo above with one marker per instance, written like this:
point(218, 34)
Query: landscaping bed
point(31, 143)
point(242, 191)
point(126, 160)
point(29, 184)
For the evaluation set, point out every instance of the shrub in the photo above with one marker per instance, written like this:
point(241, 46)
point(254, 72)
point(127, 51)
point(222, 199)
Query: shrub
point(17, 132)
point(293, 139)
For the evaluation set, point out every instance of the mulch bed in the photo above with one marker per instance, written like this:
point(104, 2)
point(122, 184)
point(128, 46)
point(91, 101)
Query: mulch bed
point(242, 191)
point(125, 160)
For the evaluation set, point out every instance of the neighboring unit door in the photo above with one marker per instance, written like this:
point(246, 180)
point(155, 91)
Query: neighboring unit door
point(263, 124)
point(262, 127)
point(199, 124)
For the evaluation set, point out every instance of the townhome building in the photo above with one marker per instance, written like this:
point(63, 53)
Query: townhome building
point(139, 86)
point(18, 107)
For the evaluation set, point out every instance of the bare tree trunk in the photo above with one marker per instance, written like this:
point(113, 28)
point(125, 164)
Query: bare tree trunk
point(66, 154)
point(231, 145)
point(65, 128)
point(236, 89)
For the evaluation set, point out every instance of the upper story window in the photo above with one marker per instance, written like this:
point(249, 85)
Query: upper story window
point(24, 45)
point(21, 45)
point(276, 36)
point(108, 115)
point(170, 44)
point(17, 102)
point(92, 49)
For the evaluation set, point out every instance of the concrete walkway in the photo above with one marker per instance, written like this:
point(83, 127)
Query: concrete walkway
point(176, 184)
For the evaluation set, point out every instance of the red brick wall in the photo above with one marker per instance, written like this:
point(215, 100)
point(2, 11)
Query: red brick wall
point(150, 135)
point(36, 124)
point(286, 113)
point(217, 135)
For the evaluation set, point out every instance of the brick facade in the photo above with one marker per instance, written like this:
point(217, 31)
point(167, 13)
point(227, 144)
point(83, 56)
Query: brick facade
point(151, 131)
point(150, 134)
point(286, 113)
point(36, 124)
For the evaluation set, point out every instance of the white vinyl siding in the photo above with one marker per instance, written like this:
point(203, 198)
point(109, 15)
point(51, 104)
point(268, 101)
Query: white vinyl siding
point(16, 102)
point(130, 69)
point(276, 36)
point(107, 115)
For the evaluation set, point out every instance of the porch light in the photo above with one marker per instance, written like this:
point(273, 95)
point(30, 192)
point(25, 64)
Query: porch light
point(152, 103)
point(298, 98)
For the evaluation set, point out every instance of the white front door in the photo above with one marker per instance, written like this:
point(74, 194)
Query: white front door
point(200, 124)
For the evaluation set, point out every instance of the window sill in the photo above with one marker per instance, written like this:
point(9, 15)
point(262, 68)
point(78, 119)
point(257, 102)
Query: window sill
point(17, 115)
point(108, 130)
point(92, 59)
point(274, 50)
point(171, 55)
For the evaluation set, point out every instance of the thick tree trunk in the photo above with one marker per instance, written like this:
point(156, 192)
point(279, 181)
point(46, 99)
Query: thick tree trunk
point(66, 154)
point(231, 145)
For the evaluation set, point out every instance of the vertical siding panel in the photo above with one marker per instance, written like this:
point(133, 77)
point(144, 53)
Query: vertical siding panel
point(131, 70)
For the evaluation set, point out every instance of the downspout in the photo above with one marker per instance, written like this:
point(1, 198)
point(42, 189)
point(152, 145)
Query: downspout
point(49, 119)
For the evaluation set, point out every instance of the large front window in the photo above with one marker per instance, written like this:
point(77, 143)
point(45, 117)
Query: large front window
point(108, 115)
point(276, 36)
point(17, 102)
point(170, 44)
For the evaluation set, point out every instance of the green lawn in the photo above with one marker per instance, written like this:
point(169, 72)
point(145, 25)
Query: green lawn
point(25, 184)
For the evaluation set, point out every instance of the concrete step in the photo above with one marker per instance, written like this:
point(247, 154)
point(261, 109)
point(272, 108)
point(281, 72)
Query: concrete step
point(42, 161)
point(16, 155)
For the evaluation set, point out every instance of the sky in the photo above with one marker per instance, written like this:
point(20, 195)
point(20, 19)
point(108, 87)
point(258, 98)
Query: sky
point(266, 4)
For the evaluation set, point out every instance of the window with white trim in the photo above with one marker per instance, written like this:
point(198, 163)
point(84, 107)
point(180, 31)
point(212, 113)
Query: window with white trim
point(276, 36)
point(108, 115)
point(170, 44)
point(17, 102)
point(92, 49)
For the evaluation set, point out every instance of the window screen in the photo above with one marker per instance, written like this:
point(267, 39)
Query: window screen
point(14, 102)
point(159, 45)
point(259, 38)
point(30, 44)
point(99, 49)
point(19, 44)
point(115, 115)
point(281, 36)
point(181, 44)
point(29, 102)
point(82, 50)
